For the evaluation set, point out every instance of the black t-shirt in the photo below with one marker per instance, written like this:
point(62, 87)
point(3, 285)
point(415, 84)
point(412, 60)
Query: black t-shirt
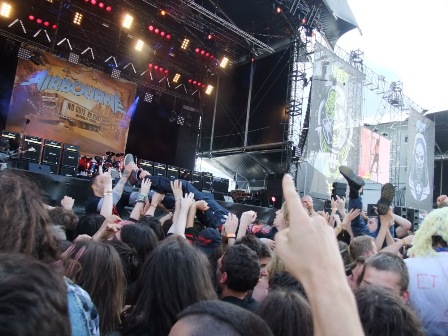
point(246, 303)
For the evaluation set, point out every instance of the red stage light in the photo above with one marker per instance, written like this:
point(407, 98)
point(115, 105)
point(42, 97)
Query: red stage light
point(151, 28)
point(273, 199)
point(199, 84)
point(212, 57)
point(207, 54)
point(101, 5)
point(54, 27)
point(46, 23)
point(150, 65)
point(161, 69)
point(203, 85)
point(166, 71)
point(210, 36)
point(31, 17)
point(197, 50)
point(194, 82)
point(39, 21)
point(168, 36)
point(93, 2)
point(156, 31)
point(162, 33)
point(189, 81)
point(108, 8)
point(86, 0)
point(156, 67)
point(202, 52)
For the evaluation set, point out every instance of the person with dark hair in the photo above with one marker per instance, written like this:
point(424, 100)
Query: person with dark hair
point(33, 298)
point(237, 273)
point(89, 224)
point(387, 270)
point(140, 237)
point(428, 272)
point(173, 277)
point(66, 219)
point(284, 280)
point(287, 313)
point(154, 224)
point(129, 259)
point(214, 317)
point(382, 313)
point(102, 276)
point(24, 219)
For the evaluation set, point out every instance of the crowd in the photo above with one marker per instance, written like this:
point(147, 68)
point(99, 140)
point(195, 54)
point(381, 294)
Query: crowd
point(198, 270)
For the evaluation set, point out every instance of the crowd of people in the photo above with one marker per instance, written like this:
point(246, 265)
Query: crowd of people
point(197, 270)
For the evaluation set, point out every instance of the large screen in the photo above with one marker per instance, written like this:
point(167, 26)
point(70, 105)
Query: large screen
point(374, 149)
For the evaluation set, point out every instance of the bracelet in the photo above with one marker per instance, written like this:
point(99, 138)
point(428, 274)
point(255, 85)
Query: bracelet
point(231, 235)
point(141, 198)
point(108, 192)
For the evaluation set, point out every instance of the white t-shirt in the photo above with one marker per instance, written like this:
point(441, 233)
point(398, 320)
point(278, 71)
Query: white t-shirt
point(428, 289)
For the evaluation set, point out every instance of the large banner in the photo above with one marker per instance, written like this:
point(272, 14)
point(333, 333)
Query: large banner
point(420, 162)
point(336, 102)
point(374, 149)
point(72, 104)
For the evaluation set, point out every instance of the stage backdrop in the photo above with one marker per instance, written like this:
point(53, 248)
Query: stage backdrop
point(72, 104)
point(420, 162)
point(374, 149)
point(333, 138)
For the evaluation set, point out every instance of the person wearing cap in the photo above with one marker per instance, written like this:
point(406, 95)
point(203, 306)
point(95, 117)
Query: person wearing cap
point(428, 272)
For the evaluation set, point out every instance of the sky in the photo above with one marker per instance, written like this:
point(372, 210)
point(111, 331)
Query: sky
point(404, 40)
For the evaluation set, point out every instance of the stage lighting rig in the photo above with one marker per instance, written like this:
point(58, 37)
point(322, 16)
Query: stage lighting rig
point(24, 53)
point(209, 90)
point(116, 73)
point(77, 20)
point(224, 62)
point(127, 21)
point(36, 57)
point(5, 10)
point(185, 44)
point(139, 45)
point(148, 97)
point(176, 78)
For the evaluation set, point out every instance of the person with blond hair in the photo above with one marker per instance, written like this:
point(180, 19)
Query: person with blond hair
point(428, 274)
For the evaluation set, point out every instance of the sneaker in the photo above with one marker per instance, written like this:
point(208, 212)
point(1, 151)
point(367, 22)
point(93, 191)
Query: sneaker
point(129, 158)
point(134, 177)
point(387, 196)
point(355, 182)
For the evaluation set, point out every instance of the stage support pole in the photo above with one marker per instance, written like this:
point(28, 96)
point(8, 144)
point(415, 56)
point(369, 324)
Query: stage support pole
point(214, 114)
point(249, 98)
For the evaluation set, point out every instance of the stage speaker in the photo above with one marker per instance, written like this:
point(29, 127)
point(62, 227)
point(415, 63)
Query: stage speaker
point(220, 185)
point(339, 189)
point(185, 174)
point(413, 215)
point(54, 169)
point(401, 211)
point(70, 155)
point(52, 152)
point(10, 140)
point(274, 193)
point(147, 165)
point(172, 172)
point(208, 181)
point(197, 180)
point(69, 171)
point(159, 169)
point(33, 148)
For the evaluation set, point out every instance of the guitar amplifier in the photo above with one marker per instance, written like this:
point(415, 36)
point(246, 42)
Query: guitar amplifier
point(70, 156)
point(159, 169)
point(197, 180)
point(184, 174)
point(69, 171)
point(208, 181)
point(33, 148)
point(10, 140)
point(172, 172)
point(147, 165)
point(52, 152)
point(220, 185)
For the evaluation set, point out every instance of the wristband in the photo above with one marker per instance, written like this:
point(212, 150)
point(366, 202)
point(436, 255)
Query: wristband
point(109, 192)
point(141, 198)
point(231, 235)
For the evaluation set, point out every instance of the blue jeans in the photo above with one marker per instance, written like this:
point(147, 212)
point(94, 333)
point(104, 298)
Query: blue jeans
point(359, 226)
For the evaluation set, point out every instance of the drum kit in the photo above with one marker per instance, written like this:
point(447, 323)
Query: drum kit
point(112, 162)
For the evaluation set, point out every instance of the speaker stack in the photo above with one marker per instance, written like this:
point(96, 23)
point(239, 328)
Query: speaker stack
point(197, 180)
point(159, 169)
point(339, 189)
point(147, 165)
point(52, 155)
point(208, 181)
point(172, 172)
point(413, 215)
point(70, 160)
point(185, 174)
point(33, 149)
point(220, 188)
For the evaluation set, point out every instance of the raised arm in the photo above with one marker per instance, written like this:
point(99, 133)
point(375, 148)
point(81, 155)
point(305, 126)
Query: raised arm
point(197, 206)
point(404, 226)
point(310, 253)
point(141, 200)
point(119, 187)
point(108, 198)
point(178, 227)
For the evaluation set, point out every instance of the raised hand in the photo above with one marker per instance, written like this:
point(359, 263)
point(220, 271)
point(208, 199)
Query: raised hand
point(145, 187)
point(176, 187)
point(187, 201)
point(108, 229)
point(231, 224)
point(67, 202)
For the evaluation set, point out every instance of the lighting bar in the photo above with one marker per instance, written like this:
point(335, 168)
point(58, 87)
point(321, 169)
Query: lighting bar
point(139, 45)
point(204, 53)
point(224, 62)
point(5, 9)
point(40, 21)
point(73, 58)
point(115, 74)
point(158, 31)
point(176, 78)
point(148, 97)
point(132, 66)
point(127, 21)
point(21, 24)
point(91, 52)
point(77, 19)
point(185, 44)
point(209, 89)
point(101, 5)
point(24, 53)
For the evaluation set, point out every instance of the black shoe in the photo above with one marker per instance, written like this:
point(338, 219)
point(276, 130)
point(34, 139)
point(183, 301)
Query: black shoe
point(355, 182)
point(387, 196)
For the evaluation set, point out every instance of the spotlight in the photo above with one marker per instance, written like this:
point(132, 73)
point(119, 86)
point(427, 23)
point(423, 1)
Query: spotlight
point(162, 12)
point(180, 120)
point(5, 10)
point(185, 44)
point(115, 74)
point(24, 53)
point(36, 58)
point(224, 62)
point(209, 89)
point(139, 45)
point(127, 21)
point(73, 58)
point(77, 19)
point(176, 78)
point(278, 9)
point(148, 97)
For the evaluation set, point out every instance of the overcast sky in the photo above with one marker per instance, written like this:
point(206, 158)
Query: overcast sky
point(405, 40)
